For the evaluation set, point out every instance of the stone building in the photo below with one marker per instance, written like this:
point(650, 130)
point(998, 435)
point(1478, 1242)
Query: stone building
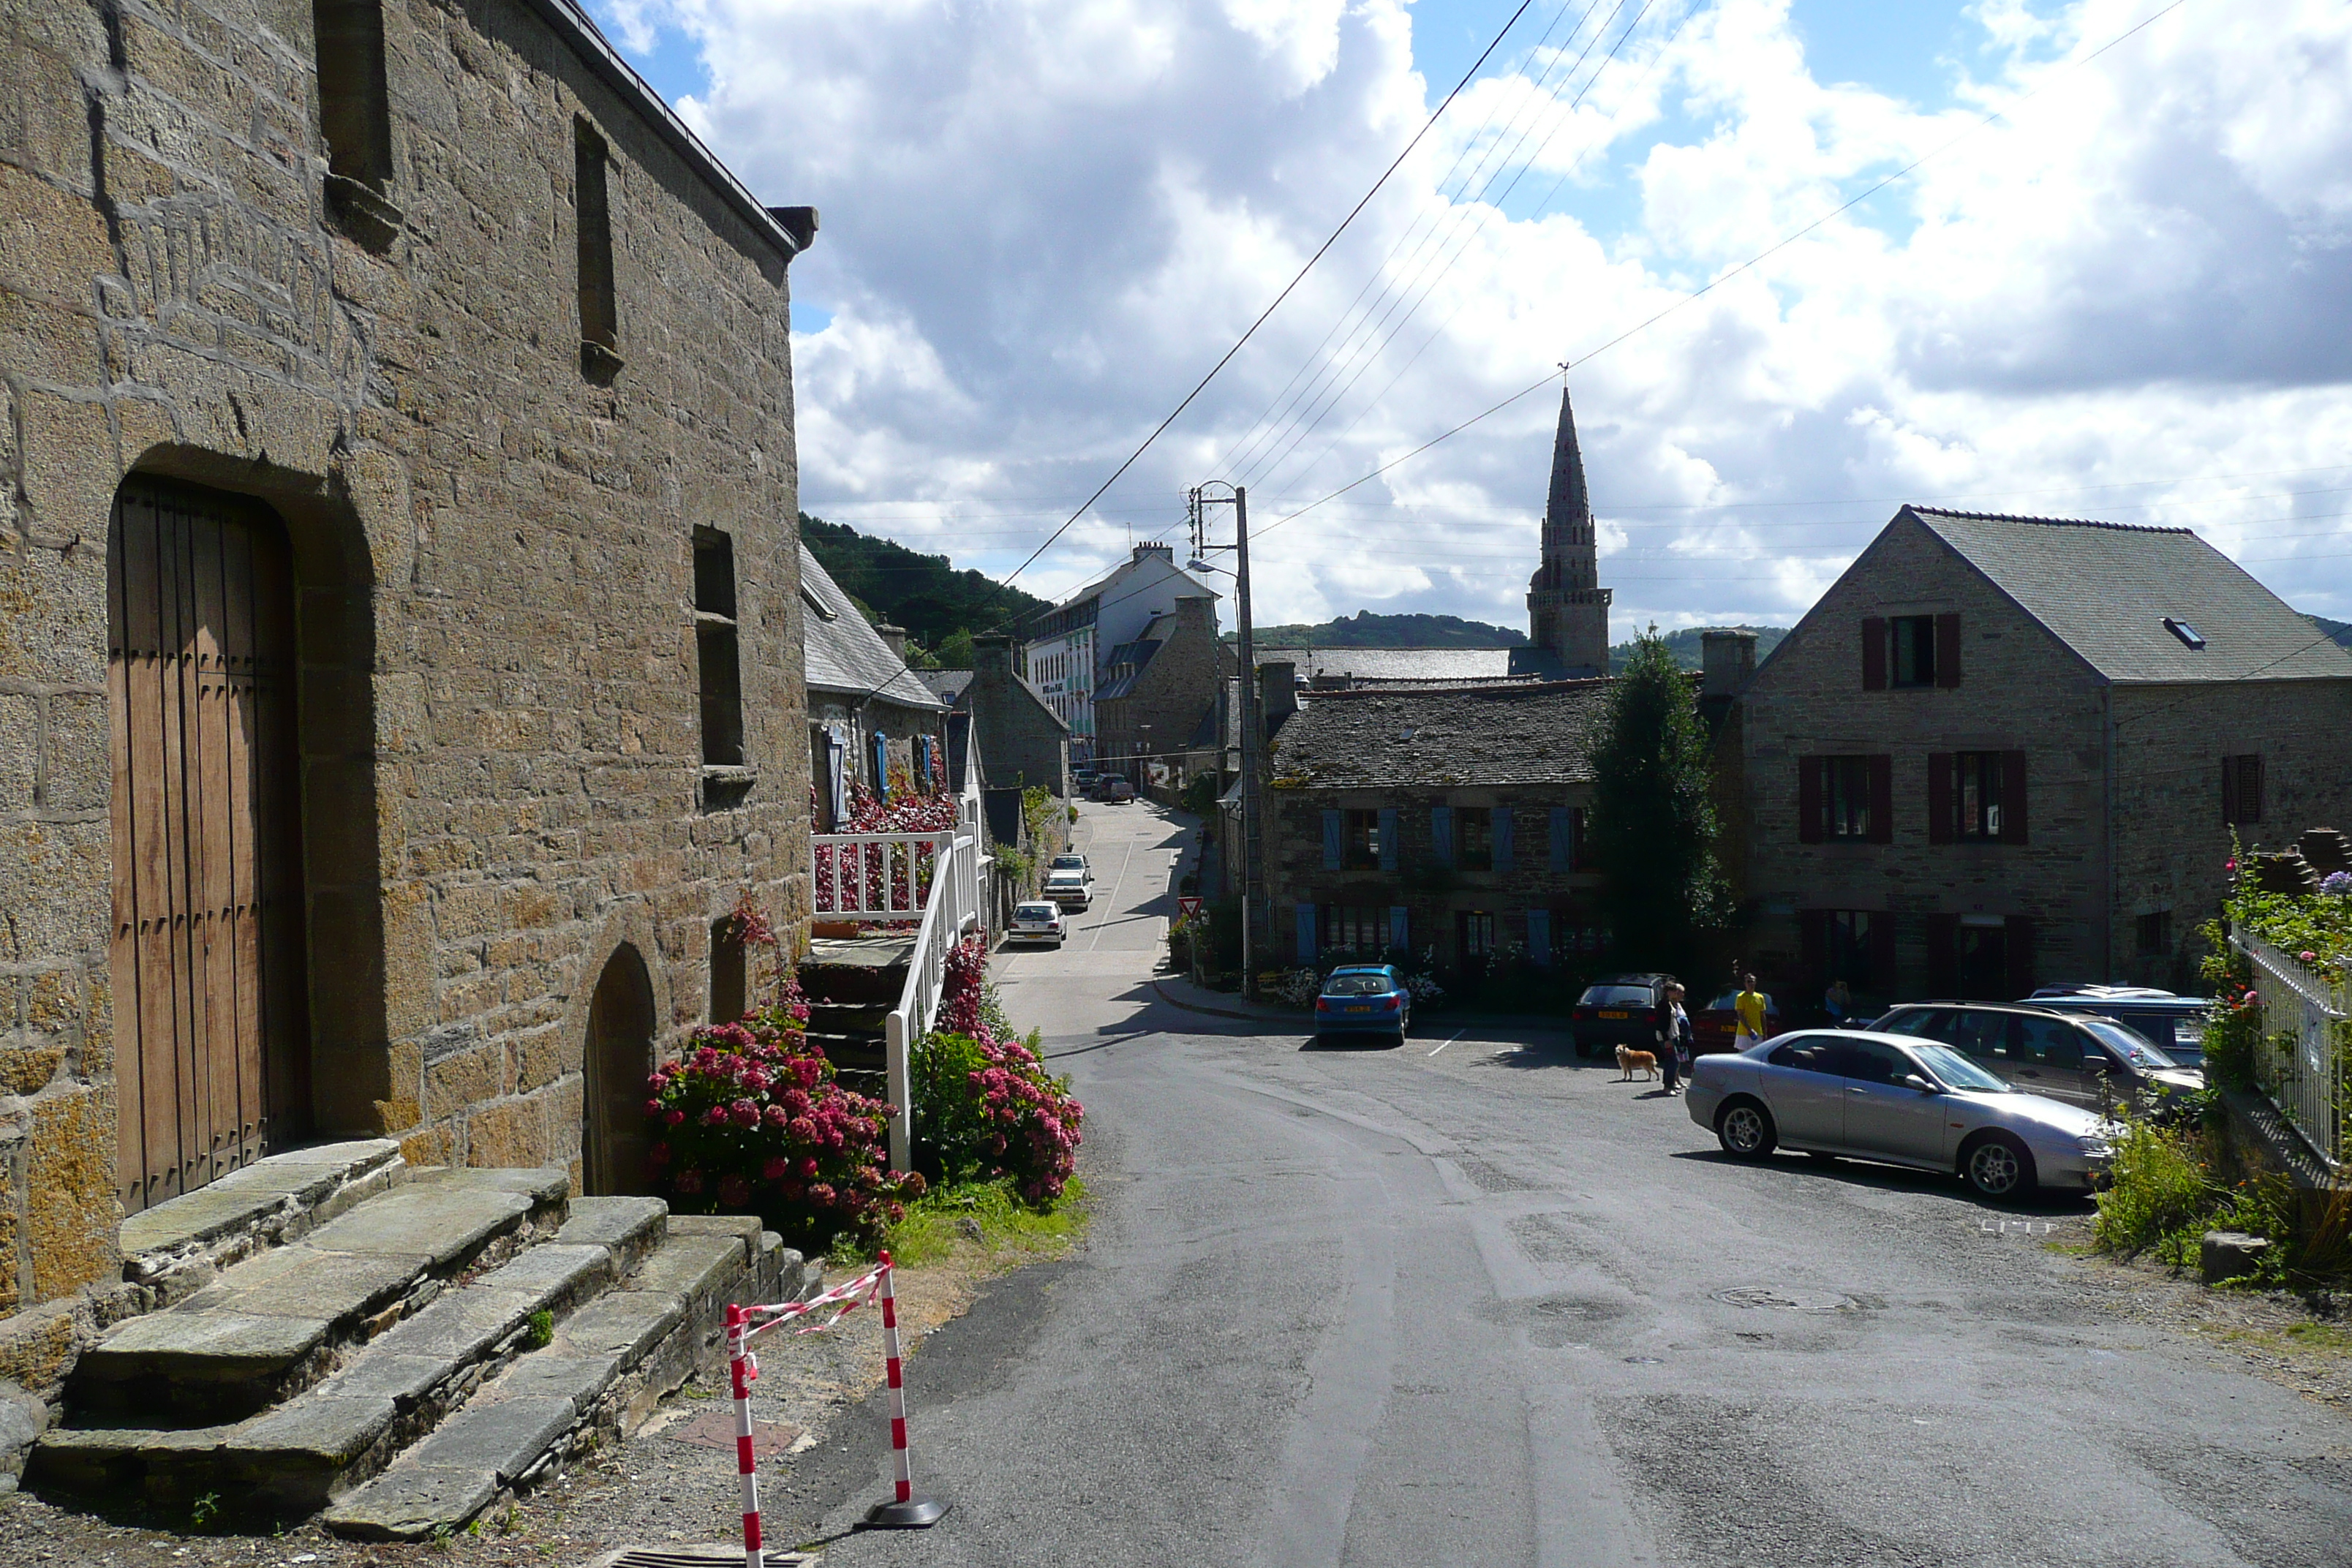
point(1567, 609)
point(1067, 651)
point(399, 671)
point(1160, 690)
point(1452, 820)
point(1020, 739)
point(2004, 752)
point(871, 720)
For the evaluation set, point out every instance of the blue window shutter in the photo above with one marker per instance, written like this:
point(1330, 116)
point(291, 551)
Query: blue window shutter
point(1539, 936)
point(1330, 839)
point(1563, 839)
point(881, 767)
point(1502, 838)
point(1400, 927)
point(1441, 832)
point(1388, 840)
point(1307, 933)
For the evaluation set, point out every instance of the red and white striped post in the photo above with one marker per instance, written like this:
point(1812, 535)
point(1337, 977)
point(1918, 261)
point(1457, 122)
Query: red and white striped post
point(741, 1370)
point(905, 1511)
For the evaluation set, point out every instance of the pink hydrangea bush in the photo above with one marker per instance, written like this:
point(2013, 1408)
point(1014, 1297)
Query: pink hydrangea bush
point(986, 1109)
point(750, 1120)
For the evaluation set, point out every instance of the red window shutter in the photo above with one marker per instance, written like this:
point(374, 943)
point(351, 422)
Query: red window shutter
point(1881, 800)
point(1943, 954)
point(2017, 950)
point(1809, 800)
point(2230, 791)
point(1939, 797)
point(2013, 798)
point(1874, 653)
point(1947, 649)
point(1813, 948)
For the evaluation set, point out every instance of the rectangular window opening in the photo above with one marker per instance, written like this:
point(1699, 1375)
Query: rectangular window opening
point(1361, 931)
point(726, 991)
point(1476, 838)
point(355, 107)
point(1976, 796)
point(599, 313)
point(1913, 650)
point(1361, 841)
point(2153, 933)
point(2241, 789)
point(717, 659)
point(1845, 797)
point(1477, 931)
point(714, 573)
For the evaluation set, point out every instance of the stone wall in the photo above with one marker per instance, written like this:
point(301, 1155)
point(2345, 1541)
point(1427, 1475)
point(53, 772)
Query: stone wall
point(1170, 695)
point(1020, 739)
point(2019, 689)
point(502, 780)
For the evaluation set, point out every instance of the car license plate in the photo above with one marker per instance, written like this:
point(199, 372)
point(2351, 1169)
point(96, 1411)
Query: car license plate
point(1358, 1008)
point(1609, 1015)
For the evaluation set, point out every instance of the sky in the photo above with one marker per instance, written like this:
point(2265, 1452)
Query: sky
point(2118, 283)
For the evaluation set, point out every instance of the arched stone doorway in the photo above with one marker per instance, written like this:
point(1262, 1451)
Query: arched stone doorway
point(207, 954)
point(620, 1055)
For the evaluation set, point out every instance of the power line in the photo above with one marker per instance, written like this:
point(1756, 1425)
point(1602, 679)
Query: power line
point(1278, 299)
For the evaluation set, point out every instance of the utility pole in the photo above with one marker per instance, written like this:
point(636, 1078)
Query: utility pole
point(1253, 722)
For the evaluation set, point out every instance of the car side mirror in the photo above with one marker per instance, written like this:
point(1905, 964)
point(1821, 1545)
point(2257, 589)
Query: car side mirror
point(1921, 1084)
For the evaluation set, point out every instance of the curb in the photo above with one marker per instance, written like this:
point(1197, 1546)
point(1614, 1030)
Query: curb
point(1175, 1001)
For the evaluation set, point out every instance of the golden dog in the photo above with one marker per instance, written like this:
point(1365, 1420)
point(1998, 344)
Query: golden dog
point(1628, 1059)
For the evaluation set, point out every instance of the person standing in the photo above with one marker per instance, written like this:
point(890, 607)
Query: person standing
point(1748, 1007)
point(1674, 1039)
point(1839, 1002)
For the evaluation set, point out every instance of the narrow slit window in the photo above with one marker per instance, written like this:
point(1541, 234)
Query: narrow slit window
point(355, 107)
point(727, 992)
point(719, 662)
point(599, 315)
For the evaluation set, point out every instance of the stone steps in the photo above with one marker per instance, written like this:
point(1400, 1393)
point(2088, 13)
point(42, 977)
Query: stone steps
point(451, 1339)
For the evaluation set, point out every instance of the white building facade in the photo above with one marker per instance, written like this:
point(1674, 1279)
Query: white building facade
point(1065, 647)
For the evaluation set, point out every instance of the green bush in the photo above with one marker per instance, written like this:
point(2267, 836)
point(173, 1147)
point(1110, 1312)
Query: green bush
point(2159, 1196)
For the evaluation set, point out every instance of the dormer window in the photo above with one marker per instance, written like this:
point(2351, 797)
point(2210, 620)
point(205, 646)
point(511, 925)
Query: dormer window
point(2184, 631)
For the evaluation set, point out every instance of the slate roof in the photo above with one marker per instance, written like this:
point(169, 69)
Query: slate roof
point(1535, 733)
point(946, 685)
point(2105, 589)
point(843, 652)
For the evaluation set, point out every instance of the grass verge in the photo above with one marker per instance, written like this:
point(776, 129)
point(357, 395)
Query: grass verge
point(982, 1218)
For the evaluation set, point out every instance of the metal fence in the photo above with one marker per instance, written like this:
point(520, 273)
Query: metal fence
point(2303, 1062)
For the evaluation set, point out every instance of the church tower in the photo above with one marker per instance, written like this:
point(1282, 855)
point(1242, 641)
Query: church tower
point(1568, 610)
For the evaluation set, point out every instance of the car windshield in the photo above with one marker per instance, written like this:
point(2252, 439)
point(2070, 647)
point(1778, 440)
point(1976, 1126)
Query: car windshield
point(1615, 996)
point(1957, 1071)
point(1069, 862)
point(1034, 912)
point(1356, 985)
point(2129, 1045)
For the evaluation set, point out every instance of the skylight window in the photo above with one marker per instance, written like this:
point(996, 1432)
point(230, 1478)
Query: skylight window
point(2184, 631)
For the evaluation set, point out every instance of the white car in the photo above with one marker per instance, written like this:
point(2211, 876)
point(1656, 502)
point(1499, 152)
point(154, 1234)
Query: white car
point(1071, 890)
point(1035, 922)
point(1070, 862)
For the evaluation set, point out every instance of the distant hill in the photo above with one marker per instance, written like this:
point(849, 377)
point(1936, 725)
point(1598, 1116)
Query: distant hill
point(939, 607)
point(1365, 629)
point(1685, 644)
point(2340, 630)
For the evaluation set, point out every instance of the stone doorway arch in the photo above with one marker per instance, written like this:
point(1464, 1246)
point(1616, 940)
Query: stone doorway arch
point(619, 1056)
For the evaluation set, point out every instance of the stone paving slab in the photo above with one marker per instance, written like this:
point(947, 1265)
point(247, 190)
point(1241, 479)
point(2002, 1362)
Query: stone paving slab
point(461, 1326)
point(243, 1197)
point(617, 1223)
point(407, 1502)
point(442, 1221)
point(542, 1184)
point(313, 1433)
point(627, 1323)
point(689, 1266)
point(404, 1379)
point(504, 1437)
point(744, 1227)
point(558, 1274)
point(559, 1372)
point(300, 1282)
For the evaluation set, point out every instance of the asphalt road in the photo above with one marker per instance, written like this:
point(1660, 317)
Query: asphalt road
point(1470, 1301)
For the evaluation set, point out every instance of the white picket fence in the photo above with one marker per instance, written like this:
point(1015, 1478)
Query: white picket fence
point(2303, 1063)
point(875, 876)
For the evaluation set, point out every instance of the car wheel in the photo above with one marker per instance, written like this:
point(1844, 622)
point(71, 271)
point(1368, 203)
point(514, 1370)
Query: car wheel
point(1404, 1024)
point(1582, 1049)
point(1745, 1129)
point(1998, 1166)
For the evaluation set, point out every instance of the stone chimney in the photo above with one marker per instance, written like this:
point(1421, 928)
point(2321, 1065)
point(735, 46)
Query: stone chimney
point(1278, 686)
point(992, 657)
point(1197, 613)
point(1165, 552)
point(1727, 659)
point(893, 639)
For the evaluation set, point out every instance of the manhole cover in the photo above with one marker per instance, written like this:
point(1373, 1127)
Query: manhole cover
point(1783, 1299)
point(716, 1429)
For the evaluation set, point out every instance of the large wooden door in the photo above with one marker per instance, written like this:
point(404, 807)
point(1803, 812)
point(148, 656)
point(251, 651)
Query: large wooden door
point(210, 1010)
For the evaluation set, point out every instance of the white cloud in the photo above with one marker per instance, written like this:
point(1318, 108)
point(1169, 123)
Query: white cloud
point(1044, 219)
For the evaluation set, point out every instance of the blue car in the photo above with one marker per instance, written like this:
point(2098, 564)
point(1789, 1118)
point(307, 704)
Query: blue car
point(1364, 998)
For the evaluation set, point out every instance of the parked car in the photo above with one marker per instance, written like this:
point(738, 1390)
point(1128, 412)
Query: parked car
point(1715, 1027)
point(1364, 998)
point(1621, 1010)
point(1036, 922)
point(1083, 779)
point(1069, 863)
point(2173, 1025)
point(1073, 889)
point(1898, 1099)
point(2083, 1059)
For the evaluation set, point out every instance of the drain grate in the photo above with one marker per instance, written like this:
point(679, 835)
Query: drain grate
point(1785, 1300)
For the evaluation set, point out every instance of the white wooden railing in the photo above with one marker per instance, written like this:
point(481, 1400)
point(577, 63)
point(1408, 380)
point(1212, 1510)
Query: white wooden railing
point(875, 876)
point(2303, 1062)
point(953, 912)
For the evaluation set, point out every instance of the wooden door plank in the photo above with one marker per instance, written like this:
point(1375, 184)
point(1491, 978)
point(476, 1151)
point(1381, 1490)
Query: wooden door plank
point(178, 701)
point(122, 944)
point(219, 842)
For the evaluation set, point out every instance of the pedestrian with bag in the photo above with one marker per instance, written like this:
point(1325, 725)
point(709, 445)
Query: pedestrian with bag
point(1674, 1038)
point(1749, 1007)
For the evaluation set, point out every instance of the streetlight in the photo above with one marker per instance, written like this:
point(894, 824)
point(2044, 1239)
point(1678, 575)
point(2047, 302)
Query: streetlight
point(1252, 726)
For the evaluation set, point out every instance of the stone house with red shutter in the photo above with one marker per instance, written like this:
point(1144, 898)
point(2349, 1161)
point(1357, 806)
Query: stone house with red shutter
point(2008, 751)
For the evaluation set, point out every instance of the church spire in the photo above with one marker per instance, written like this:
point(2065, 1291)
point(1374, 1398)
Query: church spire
point(1568, 610)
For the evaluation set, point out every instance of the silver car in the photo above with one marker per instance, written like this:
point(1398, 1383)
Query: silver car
point(1899, 1099)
